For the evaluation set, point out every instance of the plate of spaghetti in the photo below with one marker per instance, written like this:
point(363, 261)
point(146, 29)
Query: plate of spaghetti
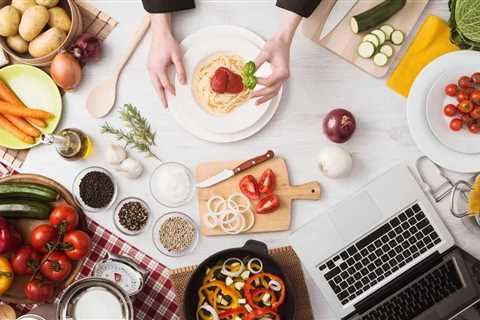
point(217, 97)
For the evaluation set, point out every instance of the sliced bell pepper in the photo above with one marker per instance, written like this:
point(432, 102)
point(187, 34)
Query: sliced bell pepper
point(261, 313)
point(240, 311)
point(248, 289)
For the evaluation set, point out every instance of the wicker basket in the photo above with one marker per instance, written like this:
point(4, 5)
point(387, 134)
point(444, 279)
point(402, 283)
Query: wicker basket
point(75, 30)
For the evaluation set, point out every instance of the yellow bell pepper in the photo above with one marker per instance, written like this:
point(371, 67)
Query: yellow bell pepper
point(6, 275)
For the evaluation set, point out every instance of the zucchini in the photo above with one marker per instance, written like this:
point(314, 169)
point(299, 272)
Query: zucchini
point(376, 15)
point(22, 190)
point(397, 37)
point(387, 50)
point(387, 29)
point(366, 49)
point(380, 35)
point(24, 209)
point(380, 59)
point(372, 38)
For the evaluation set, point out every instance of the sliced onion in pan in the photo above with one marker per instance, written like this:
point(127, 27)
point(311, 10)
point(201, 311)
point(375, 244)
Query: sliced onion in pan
point(210, 310)
point(275, 285)
point(230, 273)
point(258, 261)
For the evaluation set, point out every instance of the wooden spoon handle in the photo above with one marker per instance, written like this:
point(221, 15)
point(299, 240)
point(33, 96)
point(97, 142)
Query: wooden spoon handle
point(142, 29)
point(306, 191)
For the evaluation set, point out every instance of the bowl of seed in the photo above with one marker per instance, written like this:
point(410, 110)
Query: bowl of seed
point(94, 189)
point(175, 234)
point(131, 216)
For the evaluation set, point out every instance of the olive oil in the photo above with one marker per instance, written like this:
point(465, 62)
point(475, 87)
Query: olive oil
point(71, 144)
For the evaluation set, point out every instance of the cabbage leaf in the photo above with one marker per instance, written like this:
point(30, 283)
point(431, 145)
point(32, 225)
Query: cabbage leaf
point(464, 23)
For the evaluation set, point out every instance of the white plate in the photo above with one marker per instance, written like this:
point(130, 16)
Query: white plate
point(417, 121)
point(194, 127)
point(242, 117)
point(460, 141)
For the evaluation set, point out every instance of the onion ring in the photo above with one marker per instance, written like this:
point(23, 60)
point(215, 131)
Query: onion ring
point(218, 198)
point(211, 220)
point(229, 273)
point(252, 221)
point(275, 285)
point(249, 265)
point(210, 310)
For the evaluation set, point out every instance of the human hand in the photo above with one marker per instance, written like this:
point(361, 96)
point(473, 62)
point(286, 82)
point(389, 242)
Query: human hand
point(164, 51)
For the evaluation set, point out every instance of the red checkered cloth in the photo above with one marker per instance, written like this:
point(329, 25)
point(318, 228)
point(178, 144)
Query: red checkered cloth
point(156, 300)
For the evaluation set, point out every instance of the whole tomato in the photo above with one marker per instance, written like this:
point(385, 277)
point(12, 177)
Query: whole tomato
point(64, 216)
point(76, 244)
point(475, 96)
point(474, 128)
point(463, 96)
point(25, 260)
point(465, 82)
point(43, 236)
point(451, 90)
point(57, 267)
point(476, 77)
point(450, 110)
point(456, 124)
point(38, 291)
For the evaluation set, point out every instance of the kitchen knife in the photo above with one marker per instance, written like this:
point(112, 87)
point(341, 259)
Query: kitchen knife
point(338, 12)
point(228, 173)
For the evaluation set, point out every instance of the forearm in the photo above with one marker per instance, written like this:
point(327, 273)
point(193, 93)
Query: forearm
point(288, 26)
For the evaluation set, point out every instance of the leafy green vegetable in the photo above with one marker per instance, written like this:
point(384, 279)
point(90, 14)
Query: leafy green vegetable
point(464, 23)
point(249, 68)
point(250, 82)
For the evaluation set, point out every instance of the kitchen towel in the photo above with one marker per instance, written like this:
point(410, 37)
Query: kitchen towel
point(157, 299)
point(285, 257)
point(431, 41)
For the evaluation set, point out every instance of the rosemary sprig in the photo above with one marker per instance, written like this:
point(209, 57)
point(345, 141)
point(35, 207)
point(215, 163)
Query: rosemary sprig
point(138, 134)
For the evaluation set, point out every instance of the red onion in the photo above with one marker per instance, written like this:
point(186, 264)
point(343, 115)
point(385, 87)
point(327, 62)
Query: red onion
point(87, 48)
point(9, 237)
point(339, 125)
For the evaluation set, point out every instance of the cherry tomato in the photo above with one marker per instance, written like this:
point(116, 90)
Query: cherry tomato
point(64, 215)
point(76, 244)
point(475, 96)
point(451, 90)
point(476, 77)
point(474, 128)
point(456, 124)
point(268, 204)
point(38, 291)
point(267, 181)
point(57, 267)
point(465, 82)
point(43, 236)
point(465, 106)
point(249, 187)
point(450, 110)
point(475, 114)
point(25, 260)
point(462, 96)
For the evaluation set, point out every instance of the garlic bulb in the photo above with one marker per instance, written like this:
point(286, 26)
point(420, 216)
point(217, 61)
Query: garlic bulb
point(335, 162)
point(131, 168)
point(115, 154)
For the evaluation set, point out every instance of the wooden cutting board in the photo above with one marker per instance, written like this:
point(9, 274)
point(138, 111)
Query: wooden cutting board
point(343, 42)
point(278, 220)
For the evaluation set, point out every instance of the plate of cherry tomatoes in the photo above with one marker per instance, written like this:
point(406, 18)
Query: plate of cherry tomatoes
point(453, 109)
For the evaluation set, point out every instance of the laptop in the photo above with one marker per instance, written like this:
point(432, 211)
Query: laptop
point(384, 253)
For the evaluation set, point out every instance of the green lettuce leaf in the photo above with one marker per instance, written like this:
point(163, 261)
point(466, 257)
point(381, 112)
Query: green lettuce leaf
point(467, 19)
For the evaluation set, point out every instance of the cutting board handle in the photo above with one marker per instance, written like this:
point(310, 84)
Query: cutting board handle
point(306, 191)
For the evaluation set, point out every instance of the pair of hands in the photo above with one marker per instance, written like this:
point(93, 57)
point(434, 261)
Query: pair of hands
point(165, 51)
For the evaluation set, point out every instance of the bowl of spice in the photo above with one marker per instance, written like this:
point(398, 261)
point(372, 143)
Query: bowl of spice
point(94, 189)
point(131, 216)
point(171, 184)
point(175, 234)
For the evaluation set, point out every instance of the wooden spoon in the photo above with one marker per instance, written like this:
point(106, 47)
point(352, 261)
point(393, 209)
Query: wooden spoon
point(102, 98)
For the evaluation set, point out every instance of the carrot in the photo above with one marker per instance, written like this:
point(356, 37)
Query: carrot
point(23, 125)
point(9, 96)
point(7, 125)
point(7, 108)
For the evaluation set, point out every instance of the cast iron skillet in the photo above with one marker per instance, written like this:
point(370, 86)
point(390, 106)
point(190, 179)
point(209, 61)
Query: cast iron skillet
point(251, 248)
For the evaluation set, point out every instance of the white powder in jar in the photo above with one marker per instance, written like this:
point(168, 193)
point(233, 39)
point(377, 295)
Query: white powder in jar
point(171, 184)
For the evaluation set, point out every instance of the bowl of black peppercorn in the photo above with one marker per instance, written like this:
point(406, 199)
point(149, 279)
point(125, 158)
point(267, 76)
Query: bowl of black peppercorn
point(95, 189)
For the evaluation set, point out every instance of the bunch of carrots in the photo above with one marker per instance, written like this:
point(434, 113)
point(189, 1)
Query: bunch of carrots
point(17, 118)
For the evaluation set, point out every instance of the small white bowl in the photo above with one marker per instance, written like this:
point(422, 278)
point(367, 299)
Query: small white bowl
point(116, 218)
point(156, 234)
point(76, 189)
point(158, 197)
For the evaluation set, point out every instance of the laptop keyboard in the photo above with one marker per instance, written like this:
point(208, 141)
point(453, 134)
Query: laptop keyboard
point(379, 254)
point(419, 296)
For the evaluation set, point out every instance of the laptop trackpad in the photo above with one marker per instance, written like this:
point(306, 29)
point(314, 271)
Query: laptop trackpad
point(356, 217)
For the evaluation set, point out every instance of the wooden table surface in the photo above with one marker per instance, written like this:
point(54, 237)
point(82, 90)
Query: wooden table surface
point(319, 81)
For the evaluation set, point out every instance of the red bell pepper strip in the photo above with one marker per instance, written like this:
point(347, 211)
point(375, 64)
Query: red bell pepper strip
point(261, 313)
point(248, 289)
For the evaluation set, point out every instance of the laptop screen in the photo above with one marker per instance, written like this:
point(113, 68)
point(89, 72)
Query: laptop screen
point(472, 312)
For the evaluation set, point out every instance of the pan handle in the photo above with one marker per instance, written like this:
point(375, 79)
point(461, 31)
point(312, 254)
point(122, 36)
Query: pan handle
point(256, 246)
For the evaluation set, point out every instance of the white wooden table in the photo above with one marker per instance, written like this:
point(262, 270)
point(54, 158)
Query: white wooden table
point(319, 81)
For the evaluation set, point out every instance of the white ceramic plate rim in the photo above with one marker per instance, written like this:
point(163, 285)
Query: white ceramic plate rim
point(417, 122)
point(226, 138)
point(462, 141)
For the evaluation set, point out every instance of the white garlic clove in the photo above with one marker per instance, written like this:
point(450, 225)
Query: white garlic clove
point(115, 154)
point(131, 168)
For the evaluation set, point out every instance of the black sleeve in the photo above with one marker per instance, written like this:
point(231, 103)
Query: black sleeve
point(301, 7)
point(163, 6)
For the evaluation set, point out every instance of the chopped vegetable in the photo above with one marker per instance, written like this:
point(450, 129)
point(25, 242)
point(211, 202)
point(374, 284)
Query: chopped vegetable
point(380, 34)
point(387, 29)
point(387, 50)
point(380, 59)
point(366, 49)
point(372, 38)
point(397, 37)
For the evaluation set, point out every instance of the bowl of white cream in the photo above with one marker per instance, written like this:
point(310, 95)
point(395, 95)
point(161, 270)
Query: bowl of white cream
point(172, 185)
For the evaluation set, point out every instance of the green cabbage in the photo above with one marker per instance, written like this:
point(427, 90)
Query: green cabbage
point(465, 23)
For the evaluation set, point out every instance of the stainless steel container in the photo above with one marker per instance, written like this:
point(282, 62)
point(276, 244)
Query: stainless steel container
point(41, 312)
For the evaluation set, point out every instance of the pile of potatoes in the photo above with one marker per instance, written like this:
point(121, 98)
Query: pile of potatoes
point(34, 26)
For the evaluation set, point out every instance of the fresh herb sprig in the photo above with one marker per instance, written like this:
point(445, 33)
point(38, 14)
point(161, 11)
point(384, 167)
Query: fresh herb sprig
point(138, 133)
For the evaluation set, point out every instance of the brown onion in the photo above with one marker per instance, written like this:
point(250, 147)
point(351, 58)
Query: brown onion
point(66, 71)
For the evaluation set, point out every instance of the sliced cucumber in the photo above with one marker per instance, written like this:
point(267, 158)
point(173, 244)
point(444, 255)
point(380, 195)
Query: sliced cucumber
point(376, 15)
point(373, 39)
point(387, 29)
point(366, 49)
point(397, 37)
point(380, 35)
point(380, 59)
point(387, 50)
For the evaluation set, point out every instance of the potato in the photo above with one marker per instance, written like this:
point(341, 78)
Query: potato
point(22, 5)
point(47, 3)
point(17, 44)
point(59, 18)
point(46, 42)
point(33, 21)
point(9, 21)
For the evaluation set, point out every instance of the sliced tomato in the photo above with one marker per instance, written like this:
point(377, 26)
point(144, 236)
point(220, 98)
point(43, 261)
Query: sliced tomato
point(268, 204)
point(267, 181)
point(219, 81)
point(235, 83)
point(249, 187)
